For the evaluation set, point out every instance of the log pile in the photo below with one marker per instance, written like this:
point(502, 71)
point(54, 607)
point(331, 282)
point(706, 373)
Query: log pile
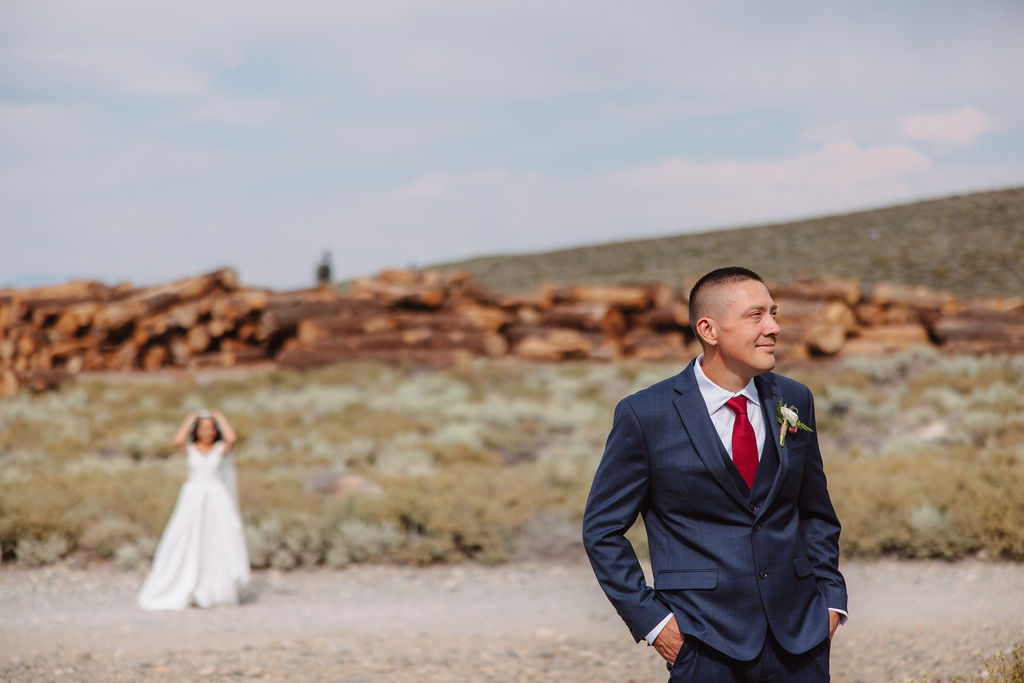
point(49, 333)
point(430, 318)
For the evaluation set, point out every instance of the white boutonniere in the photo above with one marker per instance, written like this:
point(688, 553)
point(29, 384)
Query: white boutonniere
point(790, 421)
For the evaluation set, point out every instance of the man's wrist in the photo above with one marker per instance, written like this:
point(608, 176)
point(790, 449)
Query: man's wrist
point(843, 614)
point(653, 635)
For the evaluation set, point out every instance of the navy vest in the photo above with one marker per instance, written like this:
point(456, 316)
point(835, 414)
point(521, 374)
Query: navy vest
point(767, 468)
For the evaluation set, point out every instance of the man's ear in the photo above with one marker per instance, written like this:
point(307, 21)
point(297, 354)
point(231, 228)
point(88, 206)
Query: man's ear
point(706, 332)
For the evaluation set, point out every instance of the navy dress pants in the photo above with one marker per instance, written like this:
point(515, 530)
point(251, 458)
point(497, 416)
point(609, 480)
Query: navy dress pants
point(698, 663)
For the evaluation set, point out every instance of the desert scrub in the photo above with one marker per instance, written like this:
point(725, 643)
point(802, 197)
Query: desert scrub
point(943, 503)
point(925, 459)
point(924, 454)
point(354, 540)
point(1004, 667)
point(93, 504)
point(35, 552)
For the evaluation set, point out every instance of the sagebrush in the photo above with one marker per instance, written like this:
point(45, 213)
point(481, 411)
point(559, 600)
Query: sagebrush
point(924, 454)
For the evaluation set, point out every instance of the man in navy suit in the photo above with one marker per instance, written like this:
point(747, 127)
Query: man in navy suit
point(743, 538)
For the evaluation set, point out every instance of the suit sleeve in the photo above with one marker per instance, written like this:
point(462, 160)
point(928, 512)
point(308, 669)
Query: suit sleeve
point(819, 525)
point(617, 496)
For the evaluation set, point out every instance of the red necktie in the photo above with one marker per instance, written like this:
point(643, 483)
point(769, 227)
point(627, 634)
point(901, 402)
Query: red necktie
point(744, 443)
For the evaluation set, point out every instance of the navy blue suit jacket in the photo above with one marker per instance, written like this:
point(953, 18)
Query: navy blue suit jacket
point(727, 562)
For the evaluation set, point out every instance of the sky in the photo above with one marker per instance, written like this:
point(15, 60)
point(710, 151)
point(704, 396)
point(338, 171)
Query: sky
point(149, 141)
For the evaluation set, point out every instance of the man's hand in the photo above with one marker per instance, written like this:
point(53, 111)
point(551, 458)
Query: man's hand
point(669, 641)
point(833, 623)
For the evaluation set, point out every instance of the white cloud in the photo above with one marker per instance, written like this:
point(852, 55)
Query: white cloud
point(518, 48)
point(727, 192)
point(960, 127)
point(239, 112)
point(37, 128)
point(103, 69)
point(412, 131)
point(443, 216)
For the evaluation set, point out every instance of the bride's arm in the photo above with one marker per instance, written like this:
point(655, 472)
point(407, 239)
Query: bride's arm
point(183, 430)
point(225, 427)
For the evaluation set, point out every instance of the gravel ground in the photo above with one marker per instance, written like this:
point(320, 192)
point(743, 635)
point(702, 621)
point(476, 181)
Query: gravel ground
point(922, 621)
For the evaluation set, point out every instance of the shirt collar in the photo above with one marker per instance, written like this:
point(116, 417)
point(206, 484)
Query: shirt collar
point(715, 396)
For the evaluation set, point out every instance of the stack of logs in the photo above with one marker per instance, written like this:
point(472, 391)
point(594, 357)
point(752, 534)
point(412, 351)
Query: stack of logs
point(430, 318)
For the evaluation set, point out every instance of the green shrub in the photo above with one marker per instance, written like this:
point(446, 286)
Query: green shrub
point(104, 537)
point(357, 541)
point(135, 554)
point(34, 552)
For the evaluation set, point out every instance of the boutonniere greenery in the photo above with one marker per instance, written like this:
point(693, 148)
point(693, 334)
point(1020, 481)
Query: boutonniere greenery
point(790, 421)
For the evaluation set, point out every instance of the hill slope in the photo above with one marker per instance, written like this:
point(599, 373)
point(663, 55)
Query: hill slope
point(972, 245)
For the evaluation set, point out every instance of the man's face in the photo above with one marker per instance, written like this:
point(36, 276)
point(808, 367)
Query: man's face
point(746, 328)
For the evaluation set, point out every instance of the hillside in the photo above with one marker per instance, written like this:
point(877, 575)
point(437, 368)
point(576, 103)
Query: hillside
point(972, 245)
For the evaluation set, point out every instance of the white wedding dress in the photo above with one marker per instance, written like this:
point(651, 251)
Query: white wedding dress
point(201, 558)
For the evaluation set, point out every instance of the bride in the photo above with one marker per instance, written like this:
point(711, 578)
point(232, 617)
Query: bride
point(201, 558)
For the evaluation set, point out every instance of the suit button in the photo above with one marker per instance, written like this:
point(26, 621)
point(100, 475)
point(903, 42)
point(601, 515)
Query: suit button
point(763, 575)
point(757, 527)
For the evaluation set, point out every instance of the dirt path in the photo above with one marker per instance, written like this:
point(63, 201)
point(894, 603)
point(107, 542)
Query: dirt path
point(530, 622)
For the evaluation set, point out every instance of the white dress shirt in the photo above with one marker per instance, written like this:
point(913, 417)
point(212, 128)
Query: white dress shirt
point(715, 398)
point(722, 417)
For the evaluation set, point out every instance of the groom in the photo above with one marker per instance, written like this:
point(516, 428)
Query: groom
point(743, 537)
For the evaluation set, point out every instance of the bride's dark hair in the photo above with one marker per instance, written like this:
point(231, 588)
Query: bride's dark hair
point(193, 434)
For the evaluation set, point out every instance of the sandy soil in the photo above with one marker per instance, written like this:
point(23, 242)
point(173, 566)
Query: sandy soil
point(519, 622)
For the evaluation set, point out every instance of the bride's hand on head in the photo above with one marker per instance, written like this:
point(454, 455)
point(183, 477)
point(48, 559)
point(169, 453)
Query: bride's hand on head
point(227, 431)
point(186, 426)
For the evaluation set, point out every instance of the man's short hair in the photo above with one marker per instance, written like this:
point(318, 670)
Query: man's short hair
point(719, 276)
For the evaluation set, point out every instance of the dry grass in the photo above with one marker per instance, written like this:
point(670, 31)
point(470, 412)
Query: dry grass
point(1006, 667)
point(923, 454)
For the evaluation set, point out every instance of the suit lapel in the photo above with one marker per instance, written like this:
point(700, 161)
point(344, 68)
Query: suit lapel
point(693, 412)
point(770, 395)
